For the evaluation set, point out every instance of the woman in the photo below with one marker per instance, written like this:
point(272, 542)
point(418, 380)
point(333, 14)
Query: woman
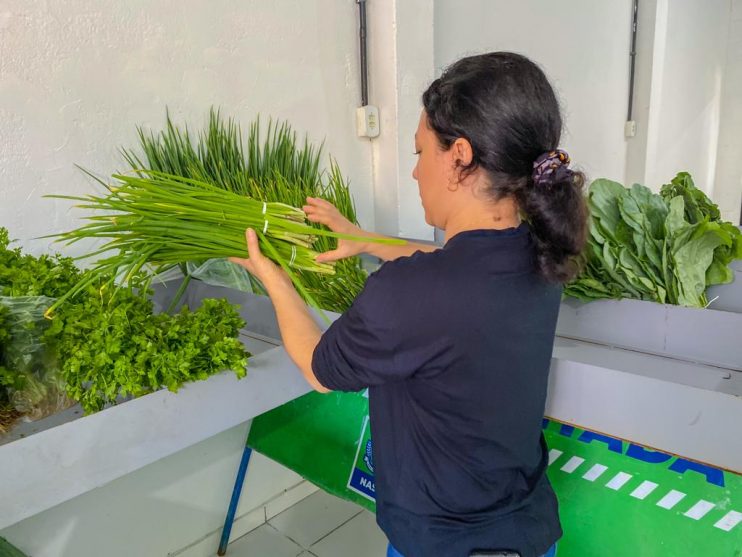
point(455, 344)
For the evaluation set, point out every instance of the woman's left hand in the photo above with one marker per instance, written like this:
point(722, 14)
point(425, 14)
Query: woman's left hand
point(258, 265)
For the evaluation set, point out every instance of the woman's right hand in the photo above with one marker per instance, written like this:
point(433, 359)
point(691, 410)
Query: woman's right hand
point(324, 212)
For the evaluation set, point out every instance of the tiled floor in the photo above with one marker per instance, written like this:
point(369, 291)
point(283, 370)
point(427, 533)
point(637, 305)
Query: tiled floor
point(320, 525)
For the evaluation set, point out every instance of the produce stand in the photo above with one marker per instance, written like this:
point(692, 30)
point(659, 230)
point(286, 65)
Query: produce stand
point(617, 417)
point(67, 454)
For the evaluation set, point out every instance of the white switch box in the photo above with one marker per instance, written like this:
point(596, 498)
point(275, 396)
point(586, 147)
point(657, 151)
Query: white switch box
point(367, 121)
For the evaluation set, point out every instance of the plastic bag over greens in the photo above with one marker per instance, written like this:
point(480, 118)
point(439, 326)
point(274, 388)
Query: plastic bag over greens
point(30, 381)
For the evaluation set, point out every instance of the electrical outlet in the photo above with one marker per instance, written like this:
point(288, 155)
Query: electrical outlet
point(629, 128)
point(367, 121)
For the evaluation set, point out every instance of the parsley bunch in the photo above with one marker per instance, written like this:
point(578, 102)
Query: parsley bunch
point(26, 275)
point(111, 345)
point(103, 346)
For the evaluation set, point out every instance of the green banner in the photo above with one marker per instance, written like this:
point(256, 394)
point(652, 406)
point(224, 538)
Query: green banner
point(621, 499)
point(617, 499)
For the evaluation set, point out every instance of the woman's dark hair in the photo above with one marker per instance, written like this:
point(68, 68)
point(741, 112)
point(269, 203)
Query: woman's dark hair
point(503, 104)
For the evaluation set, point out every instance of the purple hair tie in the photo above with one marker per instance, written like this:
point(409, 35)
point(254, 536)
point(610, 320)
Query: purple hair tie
point(552, 167)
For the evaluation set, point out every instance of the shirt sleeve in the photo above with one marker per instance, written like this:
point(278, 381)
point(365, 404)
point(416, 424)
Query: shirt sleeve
point(375, 340)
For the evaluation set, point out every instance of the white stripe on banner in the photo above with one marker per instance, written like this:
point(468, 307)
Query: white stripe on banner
point(671, 499)
point(553, 455)
point(618, 481)
point(572, 464)
point(699, 510)
point(730, 520)
point(595, 472)
point(644, 489)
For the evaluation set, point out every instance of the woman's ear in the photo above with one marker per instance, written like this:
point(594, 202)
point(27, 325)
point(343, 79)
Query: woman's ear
point(462, 152)
point(461, 155)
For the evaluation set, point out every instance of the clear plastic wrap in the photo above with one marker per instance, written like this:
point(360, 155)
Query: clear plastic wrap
point(221, 272)
point(29, 374)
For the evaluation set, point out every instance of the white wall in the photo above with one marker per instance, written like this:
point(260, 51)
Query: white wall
point(685, 103)
point(400, 68)
point(728, 184)
point(77, 76)
point(582, 45)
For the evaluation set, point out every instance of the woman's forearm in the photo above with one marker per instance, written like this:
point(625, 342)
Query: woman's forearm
point(389, 252)
point(323, 212)
point(299, 332)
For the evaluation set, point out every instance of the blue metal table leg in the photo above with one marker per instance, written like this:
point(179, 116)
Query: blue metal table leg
point(233, 502)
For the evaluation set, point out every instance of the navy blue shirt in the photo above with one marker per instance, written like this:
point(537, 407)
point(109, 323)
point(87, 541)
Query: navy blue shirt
point(455, 347)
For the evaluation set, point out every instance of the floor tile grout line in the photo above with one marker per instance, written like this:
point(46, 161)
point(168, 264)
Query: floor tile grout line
point(288, 537)
point(294, 504)
point(337, 528)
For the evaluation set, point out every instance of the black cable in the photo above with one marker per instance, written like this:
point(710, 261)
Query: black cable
point(364, 57)
point(632, 56)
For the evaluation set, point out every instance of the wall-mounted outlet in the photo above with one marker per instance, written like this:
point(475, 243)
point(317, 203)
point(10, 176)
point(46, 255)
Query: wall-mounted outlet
point(629, 128)
point(367, 121)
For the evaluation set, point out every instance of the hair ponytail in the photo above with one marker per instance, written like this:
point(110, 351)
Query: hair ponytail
point(558, 216)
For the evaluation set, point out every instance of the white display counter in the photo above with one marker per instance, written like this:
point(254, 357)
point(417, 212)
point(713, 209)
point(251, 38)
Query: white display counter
point(677, 406)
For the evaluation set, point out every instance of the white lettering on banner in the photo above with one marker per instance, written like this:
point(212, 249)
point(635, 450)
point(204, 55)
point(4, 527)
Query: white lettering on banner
point(367, 484)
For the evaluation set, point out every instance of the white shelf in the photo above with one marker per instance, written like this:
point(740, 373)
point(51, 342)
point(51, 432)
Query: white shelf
point(678, 407)
point(55, 465)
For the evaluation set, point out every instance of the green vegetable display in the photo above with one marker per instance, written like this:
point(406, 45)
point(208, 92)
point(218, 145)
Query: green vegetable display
point(26, 275)
point(105, 345)
point(112, 346)
point(30, 382)
point(274, 169)
point(33, 383)
point(699, 208)
point(666, 247)
point(163, 220)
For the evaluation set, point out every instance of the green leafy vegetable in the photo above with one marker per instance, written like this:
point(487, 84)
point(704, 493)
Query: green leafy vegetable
point(112, 346)
point(105, 345)
point(26, 275)
point(164, 220)
point(34, 385)
point(274, 167)
point(30, 383)
point(698, 208)
point(666, 247)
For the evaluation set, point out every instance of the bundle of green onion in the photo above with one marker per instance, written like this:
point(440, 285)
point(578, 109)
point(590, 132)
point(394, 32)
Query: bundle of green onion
point(273, 166)
point(162, 220)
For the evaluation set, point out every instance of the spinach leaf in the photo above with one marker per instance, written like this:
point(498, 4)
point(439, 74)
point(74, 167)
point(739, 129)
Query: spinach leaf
point(666, 247)
point(697, 205)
